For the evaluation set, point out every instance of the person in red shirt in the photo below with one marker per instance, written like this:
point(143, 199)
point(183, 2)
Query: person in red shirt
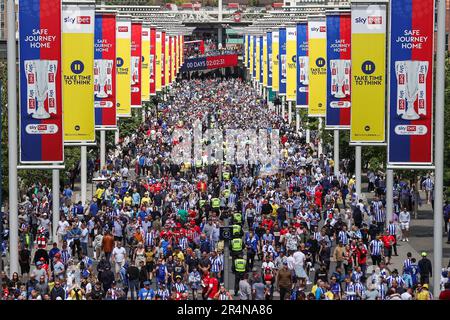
point(213, 287)
point(284, 230)
point(267, 223)
point(318, 198)
point(205, 285)
point(388, 240)
point(361, 254)
point(201, 186)
point(445, 295)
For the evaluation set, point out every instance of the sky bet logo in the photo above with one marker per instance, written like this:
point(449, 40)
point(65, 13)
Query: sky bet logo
point(320, 29)
point(370, 20)
point(78, 20)
point(123, 29)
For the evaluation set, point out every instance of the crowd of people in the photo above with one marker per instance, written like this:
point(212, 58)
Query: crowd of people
point(152, 230)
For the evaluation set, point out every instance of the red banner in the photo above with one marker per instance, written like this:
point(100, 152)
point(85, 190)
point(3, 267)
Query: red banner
point(152, 61)
point(136, 64)
point(163, 59)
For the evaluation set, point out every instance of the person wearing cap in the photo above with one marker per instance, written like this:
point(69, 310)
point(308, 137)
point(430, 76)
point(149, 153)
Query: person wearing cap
point(146, 293)
point(425, 268)
point(422, 292)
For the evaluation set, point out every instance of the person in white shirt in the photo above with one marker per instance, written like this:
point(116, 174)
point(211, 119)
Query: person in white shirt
point(63, 225)
point(408, 294)
point(404, 219)
point(299, 262)
point(119, 256)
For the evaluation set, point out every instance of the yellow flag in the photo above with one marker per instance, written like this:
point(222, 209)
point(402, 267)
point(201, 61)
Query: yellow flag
point(78, 72)
point(368, 74)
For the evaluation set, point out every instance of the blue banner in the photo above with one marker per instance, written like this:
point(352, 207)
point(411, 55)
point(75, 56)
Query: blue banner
point(302, 65)
point(282, 64)
point(269, 59)
point(254, 58)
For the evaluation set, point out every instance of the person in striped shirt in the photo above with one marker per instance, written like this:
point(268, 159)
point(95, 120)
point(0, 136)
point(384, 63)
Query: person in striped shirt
point(378, 213)
point(376, 250)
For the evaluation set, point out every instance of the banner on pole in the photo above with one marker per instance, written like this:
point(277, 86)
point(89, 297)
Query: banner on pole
point(338, 71)
point(302, 66)
point(152, 63)
point(269, 59)
point(163, 59)
point(167, 60)
point(253, 58)
point(158, 61)
point(248, 52)
point(136, 64)
point(291, 63)
point(368, 94)
point(105, 71)
point(317, 49)
point(40, 98)
point(171, 59)
point(282, 62)
point(264, 60)
point(123, 64)
point(145, 78)
point(258, 59)
point(261, 58)
point(78, 72)
point(245, 51)
point(275, 60)
point(410, 130)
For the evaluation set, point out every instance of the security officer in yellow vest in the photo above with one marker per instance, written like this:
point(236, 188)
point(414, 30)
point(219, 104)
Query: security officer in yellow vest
point(215, 204)
point(237, 231)
point(239, 269)
point(236, 247)
point(237, 218)
point(226, 175)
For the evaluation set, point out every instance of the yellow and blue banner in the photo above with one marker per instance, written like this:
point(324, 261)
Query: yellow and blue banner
point(123, 64)
point(368, 95)
point(78, 72)
point(317, 49)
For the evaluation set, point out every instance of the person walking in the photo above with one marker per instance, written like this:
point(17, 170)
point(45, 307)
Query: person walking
point(425, 269)
point(284, 281)
point(108, 245)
